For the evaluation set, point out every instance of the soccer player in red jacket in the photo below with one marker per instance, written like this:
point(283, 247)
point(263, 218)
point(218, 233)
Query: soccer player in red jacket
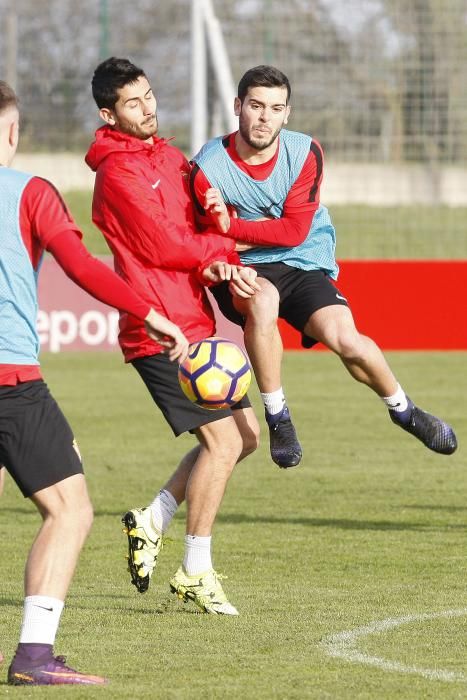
point(143, 207)
point(37, 446)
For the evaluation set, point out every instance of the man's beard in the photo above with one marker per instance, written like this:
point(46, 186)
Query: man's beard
point(254, 143)
point(142, 131)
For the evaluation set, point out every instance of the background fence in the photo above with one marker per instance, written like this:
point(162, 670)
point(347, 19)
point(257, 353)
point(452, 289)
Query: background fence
point(380, 83)
point(379, 80)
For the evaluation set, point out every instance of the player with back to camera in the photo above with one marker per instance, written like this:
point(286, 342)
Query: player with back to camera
point(37, 446)
point(264, 172)
point(143, 207)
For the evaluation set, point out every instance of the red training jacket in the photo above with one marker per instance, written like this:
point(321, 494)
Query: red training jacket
point(143, 207)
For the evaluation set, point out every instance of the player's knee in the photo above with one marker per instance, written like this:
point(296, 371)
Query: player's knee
point(81, 517)
point(78, 511)
point(231, 452)
point(73, 519)
point(250, 441)
point(226, 453)
point(223, 442)
point(349, 346)
point(266, 305)
point(249, 429)
point(263, 307)
point(87, 518)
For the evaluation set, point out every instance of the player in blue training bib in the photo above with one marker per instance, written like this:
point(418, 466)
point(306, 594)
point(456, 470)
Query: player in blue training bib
point(269, 178)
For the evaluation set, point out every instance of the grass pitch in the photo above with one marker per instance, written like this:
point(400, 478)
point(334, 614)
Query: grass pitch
point(371, 527)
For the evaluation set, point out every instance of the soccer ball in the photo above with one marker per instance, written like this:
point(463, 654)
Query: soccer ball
point(215, 374)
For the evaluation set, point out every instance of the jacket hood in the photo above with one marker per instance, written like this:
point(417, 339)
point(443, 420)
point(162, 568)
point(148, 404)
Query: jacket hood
point(108, 140)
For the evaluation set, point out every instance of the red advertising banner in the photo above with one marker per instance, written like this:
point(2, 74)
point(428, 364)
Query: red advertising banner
point(402, 305)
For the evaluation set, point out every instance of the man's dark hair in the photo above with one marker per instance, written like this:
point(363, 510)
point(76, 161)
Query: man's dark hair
point(7, 97)
point(110, 76)
point(263, 76)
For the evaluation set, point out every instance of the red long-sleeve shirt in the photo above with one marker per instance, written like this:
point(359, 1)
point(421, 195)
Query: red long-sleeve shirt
point(46, 224)
point(299, 208)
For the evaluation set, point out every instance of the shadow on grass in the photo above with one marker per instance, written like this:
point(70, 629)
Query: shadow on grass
point(11, 601)
point(337, 523)
point(169, 606)
point(444, 509)
point(98, 513)
point(20, 511)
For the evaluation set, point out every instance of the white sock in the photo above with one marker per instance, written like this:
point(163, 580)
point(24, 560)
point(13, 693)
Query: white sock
point(396, 402)
point(197, 558)
point(274, 401)
point(163, 509)
point(41, 617)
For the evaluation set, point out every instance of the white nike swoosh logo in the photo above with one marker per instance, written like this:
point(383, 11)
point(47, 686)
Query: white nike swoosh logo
point(338, 296)
point(156, 184)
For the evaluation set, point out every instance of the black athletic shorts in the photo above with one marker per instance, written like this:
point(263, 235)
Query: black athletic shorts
point(161, 378)
point(37, 446)
point(301, 293)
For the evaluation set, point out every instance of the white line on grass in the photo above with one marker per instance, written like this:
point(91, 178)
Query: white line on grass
point(344, 645)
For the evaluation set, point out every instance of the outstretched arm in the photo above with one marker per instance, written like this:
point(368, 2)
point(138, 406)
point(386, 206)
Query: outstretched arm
point(46, 223)
point(101, 282)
